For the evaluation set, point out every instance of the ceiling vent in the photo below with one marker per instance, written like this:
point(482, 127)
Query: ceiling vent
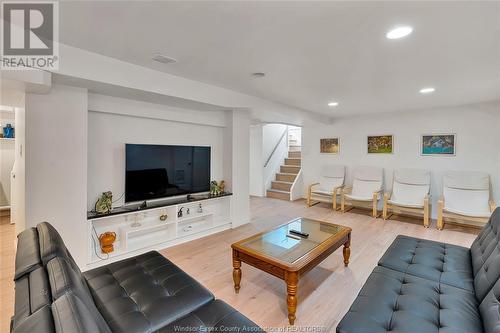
point(163, 59)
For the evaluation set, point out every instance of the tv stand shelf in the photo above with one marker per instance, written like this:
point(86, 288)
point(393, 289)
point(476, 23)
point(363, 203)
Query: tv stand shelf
point(141, 230)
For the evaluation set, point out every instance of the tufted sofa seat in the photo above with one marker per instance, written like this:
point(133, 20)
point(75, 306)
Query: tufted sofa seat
point(440, 262)
point(425, 286)
point(134, 295)
point(146, 293)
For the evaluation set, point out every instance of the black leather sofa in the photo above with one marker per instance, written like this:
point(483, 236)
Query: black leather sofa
point(146, 293)
point(425, 286)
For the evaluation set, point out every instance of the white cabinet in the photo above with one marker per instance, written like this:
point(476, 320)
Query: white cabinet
point(157, 228)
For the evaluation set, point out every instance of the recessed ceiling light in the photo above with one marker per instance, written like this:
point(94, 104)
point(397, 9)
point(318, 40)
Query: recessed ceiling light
point(163, 58)
point(332, 104)
point(258, 74)
point(399, 32)
point(427, 90)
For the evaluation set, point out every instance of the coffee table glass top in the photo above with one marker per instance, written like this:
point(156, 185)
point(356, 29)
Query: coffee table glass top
point(280, 244)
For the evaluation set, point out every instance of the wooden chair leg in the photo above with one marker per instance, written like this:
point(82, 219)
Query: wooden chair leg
point(374, 206)
point(334, 200)
point(426, 213)
point(440, 220)
point(342, 202)
point(384, 210)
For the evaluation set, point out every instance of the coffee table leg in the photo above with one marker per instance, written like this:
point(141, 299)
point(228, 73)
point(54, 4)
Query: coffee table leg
point(347, 251)
point(236, 273)
point(291, 279)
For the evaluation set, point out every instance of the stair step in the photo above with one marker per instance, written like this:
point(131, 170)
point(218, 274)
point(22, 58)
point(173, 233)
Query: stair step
point(290, 169)
point(285, 177)
point(292, 161)
point(294, 148)
point(294, 154)
point(277, 194)
point(281, 185)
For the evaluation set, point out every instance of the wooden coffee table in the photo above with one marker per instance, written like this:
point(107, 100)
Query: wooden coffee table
point(288, 257)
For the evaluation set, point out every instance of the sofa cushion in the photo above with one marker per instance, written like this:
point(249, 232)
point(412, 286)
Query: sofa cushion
point(39, 322)
point(486, 256)
point(487, 240)
point(71, 315)
point(216, 316)
point(63, 279)
point(490, 310)
point(440, 262)
point(29, 258)
point(399, 302)
point(52, 245)
point(144, 293)
point(32, 292)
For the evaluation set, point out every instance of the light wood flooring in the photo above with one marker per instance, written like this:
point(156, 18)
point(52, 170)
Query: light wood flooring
point(324, 294)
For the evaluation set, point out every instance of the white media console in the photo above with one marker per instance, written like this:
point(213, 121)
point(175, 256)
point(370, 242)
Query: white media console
point(141, 230)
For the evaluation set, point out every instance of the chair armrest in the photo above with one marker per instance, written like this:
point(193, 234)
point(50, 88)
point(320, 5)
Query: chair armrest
point(387, 195)
point(312, 185)
point(493, 205)
point(441, 200)
point(347, 189)
point(376, 194)
point(427, 198)
point(338, 189)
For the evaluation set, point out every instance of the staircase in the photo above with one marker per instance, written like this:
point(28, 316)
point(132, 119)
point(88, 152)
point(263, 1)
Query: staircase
point(280, 188)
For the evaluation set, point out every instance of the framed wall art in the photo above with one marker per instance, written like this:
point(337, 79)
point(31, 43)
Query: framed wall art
point(380, 144)
point(438, 144)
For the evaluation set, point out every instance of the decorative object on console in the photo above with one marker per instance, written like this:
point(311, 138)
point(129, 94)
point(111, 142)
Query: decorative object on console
point(8, 131)
point(104, 203)
point(329, 146)
point(188, 211)
point(179, 213)
point(200, 208)
point(222, 187)
point(163, 217)
point(106, 241)
point(214, 187)
point(380, 144)
point(217, 188)
point(438, 144)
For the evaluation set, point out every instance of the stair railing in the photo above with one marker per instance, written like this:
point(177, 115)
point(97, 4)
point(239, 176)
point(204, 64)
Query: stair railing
point(276, 146)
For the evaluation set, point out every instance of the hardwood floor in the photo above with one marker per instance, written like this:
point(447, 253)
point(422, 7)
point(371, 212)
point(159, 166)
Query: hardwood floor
point(7, 258)
point(324, 294)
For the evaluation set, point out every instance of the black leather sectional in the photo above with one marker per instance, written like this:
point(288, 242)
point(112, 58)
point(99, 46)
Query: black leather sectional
point(425, 286)
point(146, 293)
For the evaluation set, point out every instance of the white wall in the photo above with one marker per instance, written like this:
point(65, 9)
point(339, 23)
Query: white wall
point(476, 127)
point(108, 134)
point(237, 165)
point(256, 161)
point(7, 156)
point(56, 164)
point(18, 181)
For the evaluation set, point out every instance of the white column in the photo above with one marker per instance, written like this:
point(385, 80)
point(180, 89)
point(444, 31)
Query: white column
point(56, 164)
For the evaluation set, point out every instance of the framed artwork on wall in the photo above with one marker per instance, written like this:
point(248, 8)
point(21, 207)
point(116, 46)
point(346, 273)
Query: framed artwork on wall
point(380, 144)
point(329, 146)
point(438, 144)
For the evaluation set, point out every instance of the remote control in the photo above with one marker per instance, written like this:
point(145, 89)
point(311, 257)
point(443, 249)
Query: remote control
point(299, 233)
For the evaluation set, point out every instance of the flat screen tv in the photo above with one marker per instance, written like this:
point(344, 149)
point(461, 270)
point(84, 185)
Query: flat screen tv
point(157, 171)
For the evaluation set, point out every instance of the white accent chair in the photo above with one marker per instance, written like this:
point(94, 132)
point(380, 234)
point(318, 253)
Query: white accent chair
point(329, 186)
point(410, 194)
point(366, 189)
point(466, 199)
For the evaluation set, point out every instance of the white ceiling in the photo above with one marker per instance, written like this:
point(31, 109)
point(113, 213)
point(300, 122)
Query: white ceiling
point(312, 52)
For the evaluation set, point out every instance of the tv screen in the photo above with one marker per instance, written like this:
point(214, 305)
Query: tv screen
point(157, 171)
